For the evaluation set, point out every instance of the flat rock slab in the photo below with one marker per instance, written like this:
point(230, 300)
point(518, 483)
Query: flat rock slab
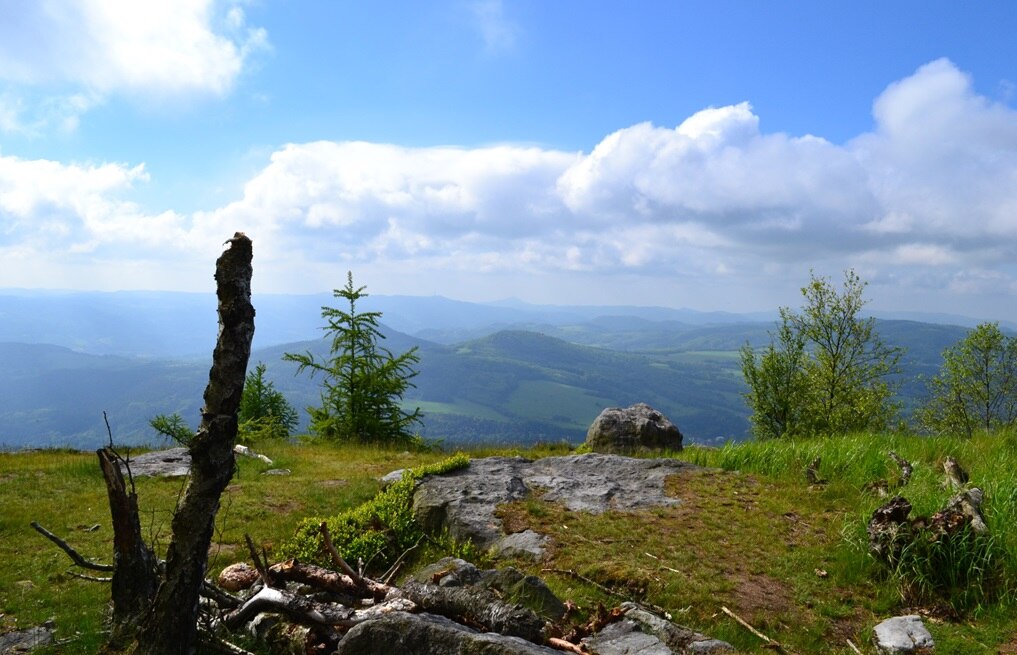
point(25, 641)
point(172, 463)
point(463, 501)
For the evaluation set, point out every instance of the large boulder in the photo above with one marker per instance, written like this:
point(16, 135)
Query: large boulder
point(632, 429)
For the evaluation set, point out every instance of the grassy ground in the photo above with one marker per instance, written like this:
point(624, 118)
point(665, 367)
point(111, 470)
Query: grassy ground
point(64, 491)
point(751, 536)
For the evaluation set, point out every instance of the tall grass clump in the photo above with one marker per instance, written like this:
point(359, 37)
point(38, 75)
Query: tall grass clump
point(377, 531)
point(964, 570)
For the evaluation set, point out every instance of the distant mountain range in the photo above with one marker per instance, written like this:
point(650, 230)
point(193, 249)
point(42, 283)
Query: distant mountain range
point(505, 372)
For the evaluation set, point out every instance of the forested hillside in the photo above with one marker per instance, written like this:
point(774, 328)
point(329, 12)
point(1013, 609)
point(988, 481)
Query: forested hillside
point(507, 386)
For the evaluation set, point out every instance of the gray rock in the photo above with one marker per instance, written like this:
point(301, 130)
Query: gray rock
point(277, 472)
point(463, 501)
point(391, 478)
point(902, 634)
point(632, 429)
point(527, 544)
point(678, 638)
point(25, 641)
point(625, 637)
point(172, 463)
point(426, 634)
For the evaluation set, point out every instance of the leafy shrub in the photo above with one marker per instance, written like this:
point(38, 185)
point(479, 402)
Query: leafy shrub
point(376, 532)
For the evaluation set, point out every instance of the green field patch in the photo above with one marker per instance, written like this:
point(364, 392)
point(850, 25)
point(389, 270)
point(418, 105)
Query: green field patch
point(557, 403)
point(458, 408)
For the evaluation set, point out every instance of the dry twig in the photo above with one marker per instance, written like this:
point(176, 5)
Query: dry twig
point(744, 624)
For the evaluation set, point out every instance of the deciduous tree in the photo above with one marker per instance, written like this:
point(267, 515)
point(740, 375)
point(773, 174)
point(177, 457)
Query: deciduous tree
point(827, 371)
point(976, 388)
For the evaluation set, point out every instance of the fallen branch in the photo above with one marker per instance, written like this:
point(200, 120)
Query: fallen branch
point(306, 611)
point(73, 554)
point(223, 599)
point(476, 607)
point(299, 608)
point(744, 624)
point(561, 644)
point(90, 578)
point(328, 580)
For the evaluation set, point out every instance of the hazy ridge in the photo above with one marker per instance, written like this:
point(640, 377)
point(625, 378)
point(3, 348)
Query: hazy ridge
point(506, 372)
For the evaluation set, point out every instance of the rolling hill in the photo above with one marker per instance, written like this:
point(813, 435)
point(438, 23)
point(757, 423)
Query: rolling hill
point(513, 385)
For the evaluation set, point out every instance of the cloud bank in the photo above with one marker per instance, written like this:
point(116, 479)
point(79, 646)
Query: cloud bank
point(75, 53)
point(925, 202)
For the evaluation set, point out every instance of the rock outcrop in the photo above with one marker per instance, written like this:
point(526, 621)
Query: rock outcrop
point(463, 501)
point(631, 430)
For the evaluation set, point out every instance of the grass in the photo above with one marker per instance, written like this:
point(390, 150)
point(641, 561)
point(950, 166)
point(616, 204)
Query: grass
point(64, 491)
point(750, 535)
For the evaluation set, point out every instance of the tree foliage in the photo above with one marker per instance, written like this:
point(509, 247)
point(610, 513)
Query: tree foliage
point(172, 426)
point(362, 383)
point(976, 389)
point(264, 411)
point(826, 371)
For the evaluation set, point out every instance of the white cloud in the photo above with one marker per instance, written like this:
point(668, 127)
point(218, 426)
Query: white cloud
point(102, 47)
point(497, 31)
point(927, 200)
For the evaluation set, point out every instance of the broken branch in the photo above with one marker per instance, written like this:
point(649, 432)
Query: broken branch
point(73, 554)
point(337, 558)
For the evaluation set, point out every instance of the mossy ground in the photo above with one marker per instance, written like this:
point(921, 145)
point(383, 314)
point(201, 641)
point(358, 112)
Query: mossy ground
point(751, 536)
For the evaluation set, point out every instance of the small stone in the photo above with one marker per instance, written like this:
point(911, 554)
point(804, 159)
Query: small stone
point(277, 472)
point(236, 577)
point(902, 634)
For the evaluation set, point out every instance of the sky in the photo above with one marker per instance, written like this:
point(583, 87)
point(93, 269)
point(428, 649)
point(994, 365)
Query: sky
point(709, 155)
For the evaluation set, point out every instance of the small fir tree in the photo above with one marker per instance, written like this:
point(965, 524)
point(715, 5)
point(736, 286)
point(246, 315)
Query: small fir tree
point(362, 383)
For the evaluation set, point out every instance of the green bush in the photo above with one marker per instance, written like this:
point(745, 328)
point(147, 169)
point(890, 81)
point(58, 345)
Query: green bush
point(378, 531)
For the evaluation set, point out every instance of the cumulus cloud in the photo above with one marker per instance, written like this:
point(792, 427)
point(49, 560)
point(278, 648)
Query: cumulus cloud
point(927, 199)
point(103, 47)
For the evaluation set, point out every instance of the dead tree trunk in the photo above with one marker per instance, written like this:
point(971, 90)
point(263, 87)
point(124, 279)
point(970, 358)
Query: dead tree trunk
point(172, 624)
point(135, 569)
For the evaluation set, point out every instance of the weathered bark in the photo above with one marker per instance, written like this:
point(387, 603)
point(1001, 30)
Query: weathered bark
point(812, 472)
point(889, 530)
point(328, 580)
point(310, 612)
point(135, 568)
point(956, 476)
point(172, 626)
point(906, 469)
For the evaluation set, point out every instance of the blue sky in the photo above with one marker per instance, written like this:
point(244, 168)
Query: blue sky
point(689, 154)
